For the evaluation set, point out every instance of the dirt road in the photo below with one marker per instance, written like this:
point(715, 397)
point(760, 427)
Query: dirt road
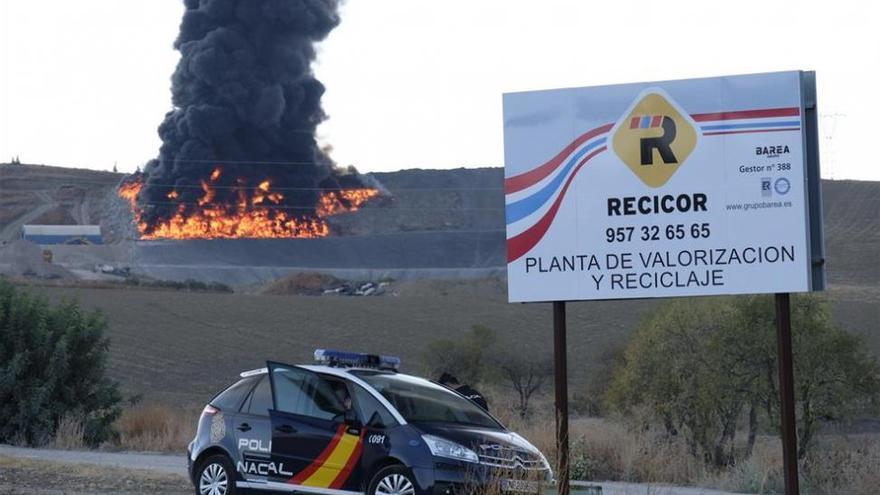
point(61, 472)
point(33, 476)
point(159, 463)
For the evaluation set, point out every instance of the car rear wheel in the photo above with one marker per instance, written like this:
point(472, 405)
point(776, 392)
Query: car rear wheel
point(215, 477)
point(393, 480)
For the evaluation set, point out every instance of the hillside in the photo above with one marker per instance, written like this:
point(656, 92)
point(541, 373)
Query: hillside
point(35, 194)
point(852, 231)
point(180, 346)
point(460, 200)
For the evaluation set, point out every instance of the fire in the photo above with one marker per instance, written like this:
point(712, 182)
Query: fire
point(130, 192)
point(258, 213)
point(334, 202)
point(262, 194)
point(209, 194)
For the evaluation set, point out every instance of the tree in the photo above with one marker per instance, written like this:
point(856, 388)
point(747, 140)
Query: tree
point(699, 364)
point(525, 372)
point(52, 366)
point(835, 377)
point(669, 367)
point(466, 357)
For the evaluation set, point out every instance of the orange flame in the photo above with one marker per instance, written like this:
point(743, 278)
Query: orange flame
point(344, 200)
point(209, 194)
point(130, 192)
point(250, 217)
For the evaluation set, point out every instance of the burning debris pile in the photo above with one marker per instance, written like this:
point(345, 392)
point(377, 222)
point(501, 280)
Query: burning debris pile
point(239, 156)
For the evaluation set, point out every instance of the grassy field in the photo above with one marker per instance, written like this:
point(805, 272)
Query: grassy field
point(177, 348)
point(180, 347)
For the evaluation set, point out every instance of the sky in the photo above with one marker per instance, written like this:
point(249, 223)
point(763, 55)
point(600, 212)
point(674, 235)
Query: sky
point(418, 83)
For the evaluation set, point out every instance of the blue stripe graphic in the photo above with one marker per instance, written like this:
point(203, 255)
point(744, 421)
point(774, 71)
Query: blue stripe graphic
point(721, 127)
point(646, 122)
point(520, 209)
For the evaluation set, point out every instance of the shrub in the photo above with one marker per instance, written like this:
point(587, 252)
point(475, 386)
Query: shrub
point(702, 365)
point(465, 357)
point(52, 367)
point(155, 427)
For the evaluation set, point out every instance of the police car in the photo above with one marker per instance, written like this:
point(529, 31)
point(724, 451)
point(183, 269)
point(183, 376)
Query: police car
point(352, 424)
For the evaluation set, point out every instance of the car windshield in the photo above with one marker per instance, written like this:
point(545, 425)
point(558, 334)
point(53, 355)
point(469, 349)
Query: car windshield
point(420, 401)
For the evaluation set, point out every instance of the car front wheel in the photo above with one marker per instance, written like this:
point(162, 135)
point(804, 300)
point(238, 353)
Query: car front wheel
point(215, 477)
point(393, 480)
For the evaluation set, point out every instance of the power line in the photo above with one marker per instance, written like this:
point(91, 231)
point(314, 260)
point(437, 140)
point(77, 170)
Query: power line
point(74, 181)
point(220, 163)
point(282, 207)
point(217, 186)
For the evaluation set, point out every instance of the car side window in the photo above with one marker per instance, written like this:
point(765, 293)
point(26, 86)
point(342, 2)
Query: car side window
point(231, 399)
point(307, 394)
point(261, 398)
point(368, 406)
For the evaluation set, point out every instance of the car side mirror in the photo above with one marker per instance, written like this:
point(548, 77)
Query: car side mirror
point(376, 421)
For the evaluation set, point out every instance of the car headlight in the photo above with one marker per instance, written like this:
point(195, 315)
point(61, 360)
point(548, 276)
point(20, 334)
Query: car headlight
point(444, 448)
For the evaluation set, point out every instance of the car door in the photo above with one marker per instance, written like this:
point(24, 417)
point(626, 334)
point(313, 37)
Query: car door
point(252, 429)
point(312, 444)
point(377, 421)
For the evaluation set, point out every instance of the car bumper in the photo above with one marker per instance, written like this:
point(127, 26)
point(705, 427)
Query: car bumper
point(451, 479)
point(189, 464)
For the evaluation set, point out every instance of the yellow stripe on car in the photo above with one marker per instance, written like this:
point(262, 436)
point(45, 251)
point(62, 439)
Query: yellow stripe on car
point(327, 473)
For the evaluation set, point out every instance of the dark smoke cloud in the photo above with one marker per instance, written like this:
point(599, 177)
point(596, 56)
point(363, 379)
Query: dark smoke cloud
point(245, 99)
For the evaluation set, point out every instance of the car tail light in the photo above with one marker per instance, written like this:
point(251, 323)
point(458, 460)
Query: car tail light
point(209, 410)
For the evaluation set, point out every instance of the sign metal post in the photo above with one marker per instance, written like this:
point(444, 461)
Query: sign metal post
point(786, 393)
point(560, 360)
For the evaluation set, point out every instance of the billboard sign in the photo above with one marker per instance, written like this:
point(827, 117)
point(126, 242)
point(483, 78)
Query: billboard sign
point(677, 188)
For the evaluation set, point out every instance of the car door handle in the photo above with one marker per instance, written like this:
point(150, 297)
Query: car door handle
point(244, 427)
point(285, 429)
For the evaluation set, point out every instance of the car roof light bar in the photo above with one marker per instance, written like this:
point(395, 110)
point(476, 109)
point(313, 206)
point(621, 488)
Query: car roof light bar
point(356, 359)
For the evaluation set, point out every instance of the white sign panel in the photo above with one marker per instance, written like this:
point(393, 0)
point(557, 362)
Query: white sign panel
point(678, 188)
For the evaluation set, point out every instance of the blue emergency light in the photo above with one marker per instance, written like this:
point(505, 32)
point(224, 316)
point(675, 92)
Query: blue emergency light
point(356, 359)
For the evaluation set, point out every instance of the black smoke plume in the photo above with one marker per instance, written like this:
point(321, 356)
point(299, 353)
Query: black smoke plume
point(245, 100)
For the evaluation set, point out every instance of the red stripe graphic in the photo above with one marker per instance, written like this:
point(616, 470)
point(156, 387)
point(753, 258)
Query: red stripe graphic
point(655, 122)
point(317, 463)
point(343, 475)
point(716, 133)
point(523, 243)
point(747, 114)
point(522, 181)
